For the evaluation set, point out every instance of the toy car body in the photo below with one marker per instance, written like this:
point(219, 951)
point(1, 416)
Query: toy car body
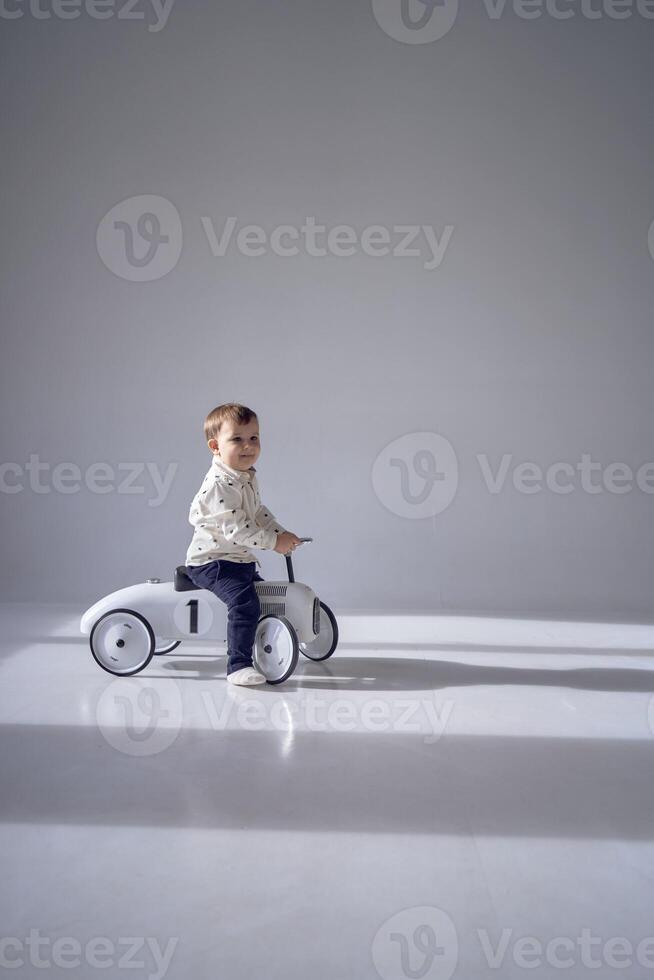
point(128, 627)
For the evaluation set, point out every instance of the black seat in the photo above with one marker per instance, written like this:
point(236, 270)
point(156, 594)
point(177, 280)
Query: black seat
point(182, 581)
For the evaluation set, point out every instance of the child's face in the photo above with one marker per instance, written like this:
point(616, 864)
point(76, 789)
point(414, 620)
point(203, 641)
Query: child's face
point(237, 445)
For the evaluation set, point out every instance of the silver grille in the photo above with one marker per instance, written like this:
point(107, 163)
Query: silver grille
point(273, 608)
point(263, 589)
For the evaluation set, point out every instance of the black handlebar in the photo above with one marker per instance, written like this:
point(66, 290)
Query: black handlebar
point(289, 563)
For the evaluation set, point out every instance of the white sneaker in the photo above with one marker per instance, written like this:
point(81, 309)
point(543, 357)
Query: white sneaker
point(246, 677)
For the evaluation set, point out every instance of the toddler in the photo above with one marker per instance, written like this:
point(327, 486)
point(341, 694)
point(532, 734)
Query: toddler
point(229, 519)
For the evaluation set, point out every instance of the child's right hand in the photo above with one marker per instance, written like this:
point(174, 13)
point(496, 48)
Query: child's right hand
point(287, 542)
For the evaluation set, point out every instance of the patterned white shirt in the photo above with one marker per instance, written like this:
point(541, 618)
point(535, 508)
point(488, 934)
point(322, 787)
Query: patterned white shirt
point(229, 518)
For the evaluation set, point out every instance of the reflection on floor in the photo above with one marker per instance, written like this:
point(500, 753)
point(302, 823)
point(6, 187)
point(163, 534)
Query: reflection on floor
point(446, 796)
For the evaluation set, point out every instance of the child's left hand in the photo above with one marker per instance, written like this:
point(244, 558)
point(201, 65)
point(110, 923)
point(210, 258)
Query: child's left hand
point(291, 541)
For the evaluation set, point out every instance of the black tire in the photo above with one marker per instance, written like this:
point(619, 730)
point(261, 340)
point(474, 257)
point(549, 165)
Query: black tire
point(295, 648)
point(143, 620)
point(334, 625)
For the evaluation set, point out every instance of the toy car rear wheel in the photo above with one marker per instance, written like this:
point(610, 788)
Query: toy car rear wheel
point(161, 647)
point(326, 641)
point(122, 642)
point(276, 650)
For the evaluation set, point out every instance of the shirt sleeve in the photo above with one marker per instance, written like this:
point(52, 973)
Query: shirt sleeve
point(266, 519)
point(220, 507)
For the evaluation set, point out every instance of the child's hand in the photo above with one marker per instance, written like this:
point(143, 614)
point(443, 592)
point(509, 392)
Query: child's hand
point(287, 542)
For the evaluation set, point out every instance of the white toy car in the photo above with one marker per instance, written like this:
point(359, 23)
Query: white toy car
point(128, 627)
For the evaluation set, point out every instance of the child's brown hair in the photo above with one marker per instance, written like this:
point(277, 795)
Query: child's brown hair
point(232, 411)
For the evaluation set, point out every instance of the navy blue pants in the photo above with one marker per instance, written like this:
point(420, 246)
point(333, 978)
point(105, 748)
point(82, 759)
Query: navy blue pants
point(233, 582)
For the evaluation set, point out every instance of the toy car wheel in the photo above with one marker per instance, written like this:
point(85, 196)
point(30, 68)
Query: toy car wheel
point(327, 639)
point(161, 647)
point(122, 642)
point(276, 650)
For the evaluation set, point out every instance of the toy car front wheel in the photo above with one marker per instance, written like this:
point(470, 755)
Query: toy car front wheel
point(122, 642)
point(276, 650)
point(327, 639)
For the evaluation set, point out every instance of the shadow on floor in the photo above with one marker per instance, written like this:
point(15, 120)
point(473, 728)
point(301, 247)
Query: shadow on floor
point(343, 673)
point(331, 781)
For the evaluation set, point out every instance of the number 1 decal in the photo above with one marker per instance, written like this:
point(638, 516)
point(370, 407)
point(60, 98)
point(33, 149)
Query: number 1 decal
point(193, 627)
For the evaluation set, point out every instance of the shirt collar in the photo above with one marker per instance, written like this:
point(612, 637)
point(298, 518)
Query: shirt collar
point(244, 476)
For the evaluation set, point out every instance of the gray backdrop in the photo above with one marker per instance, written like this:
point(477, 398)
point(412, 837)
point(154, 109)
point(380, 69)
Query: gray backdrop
point(530, 338)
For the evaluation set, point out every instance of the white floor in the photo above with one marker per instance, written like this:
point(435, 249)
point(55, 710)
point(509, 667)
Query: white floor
point(420, 805)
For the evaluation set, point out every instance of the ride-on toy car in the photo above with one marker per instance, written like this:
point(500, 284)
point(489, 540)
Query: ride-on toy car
point(128, 627)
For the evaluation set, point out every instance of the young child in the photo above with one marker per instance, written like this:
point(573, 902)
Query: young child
point(229, 519)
